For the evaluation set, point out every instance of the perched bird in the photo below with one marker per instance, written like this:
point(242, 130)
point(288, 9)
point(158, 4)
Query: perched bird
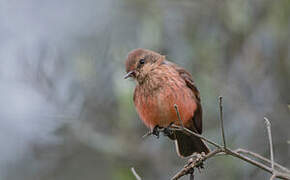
point(160, 85)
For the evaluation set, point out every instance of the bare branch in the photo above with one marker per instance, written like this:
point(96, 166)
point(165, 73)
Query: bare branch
point(220, 149)
point(268, 126)
point(192, 164)
point(135, 174)
point(273, 176)
point(178, 128)
point(222, 120)
point(224, 150)
point(228, 151)
point(249, 160)
point(178, 115)
point(258, 156)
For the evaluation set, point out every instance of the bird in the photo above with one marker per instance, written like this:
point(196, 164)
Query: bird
point(162, 84)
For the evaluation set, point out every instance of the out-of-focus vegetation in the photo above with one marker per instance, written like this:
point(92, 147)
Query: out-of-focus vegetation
point(67, 114)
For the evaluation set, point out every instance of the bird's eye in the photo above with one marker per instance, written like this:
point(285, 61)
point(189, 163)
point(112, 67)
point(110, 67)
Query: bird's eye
point(141, 61)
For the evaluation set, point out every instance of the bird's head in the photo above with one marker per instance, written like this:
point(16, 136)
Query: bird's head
point(140, 62)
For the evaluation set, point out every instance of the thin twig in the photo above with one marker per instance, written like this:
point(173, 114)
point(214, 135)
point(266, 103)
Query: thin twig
point(178, 115)
point(135, 174)
point(268, 126)
point(178, 128)
point(258, 156)
point(249, 160)
point(273, 176)
point(222, 120)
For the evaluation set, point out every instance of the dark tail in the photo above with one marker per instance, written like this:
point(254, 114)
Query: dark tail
point(187, 145)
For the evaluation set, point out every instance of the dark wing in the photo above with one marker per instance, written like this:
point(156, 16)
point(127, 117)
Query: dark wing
point(197, 119)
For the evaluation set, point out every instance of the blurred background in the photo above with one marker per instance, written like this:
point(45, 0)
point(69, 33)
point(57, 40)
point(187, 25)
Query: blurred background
point(66, 113)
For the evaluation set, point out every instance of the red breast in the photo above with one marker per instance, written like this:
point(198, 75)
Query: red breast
point(155, 98)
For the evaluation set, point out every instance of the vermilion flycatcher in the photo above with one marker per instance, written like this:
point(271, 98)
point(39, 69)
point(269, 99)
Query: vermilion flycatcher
point(160, 85)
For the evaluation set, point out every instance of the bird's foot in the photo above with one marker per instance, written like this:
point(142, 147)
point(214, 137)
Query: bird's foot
point(167, 131)
point(156, 131)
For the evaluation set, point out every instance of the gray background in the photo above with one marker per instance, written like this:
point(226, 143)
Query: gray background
point(67, 114)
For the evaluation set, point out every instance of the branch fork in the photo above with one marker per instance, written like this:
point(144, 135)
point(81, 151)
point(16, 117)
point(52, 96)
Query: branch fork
point(276, 170)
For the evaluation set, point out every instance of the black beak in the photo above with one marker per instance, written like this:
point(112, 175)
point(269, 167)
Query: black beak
point(129, 74)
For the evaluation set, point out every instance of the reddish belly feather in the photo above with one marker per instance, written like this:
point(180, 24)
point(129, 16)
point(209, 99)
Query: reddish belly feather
point(158, 109)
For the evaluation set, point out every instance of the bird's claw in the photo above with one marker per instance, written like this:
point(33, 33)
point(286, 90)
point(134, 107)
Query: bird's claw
point(167, 132)
point(170, 132)
point(156, 131)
